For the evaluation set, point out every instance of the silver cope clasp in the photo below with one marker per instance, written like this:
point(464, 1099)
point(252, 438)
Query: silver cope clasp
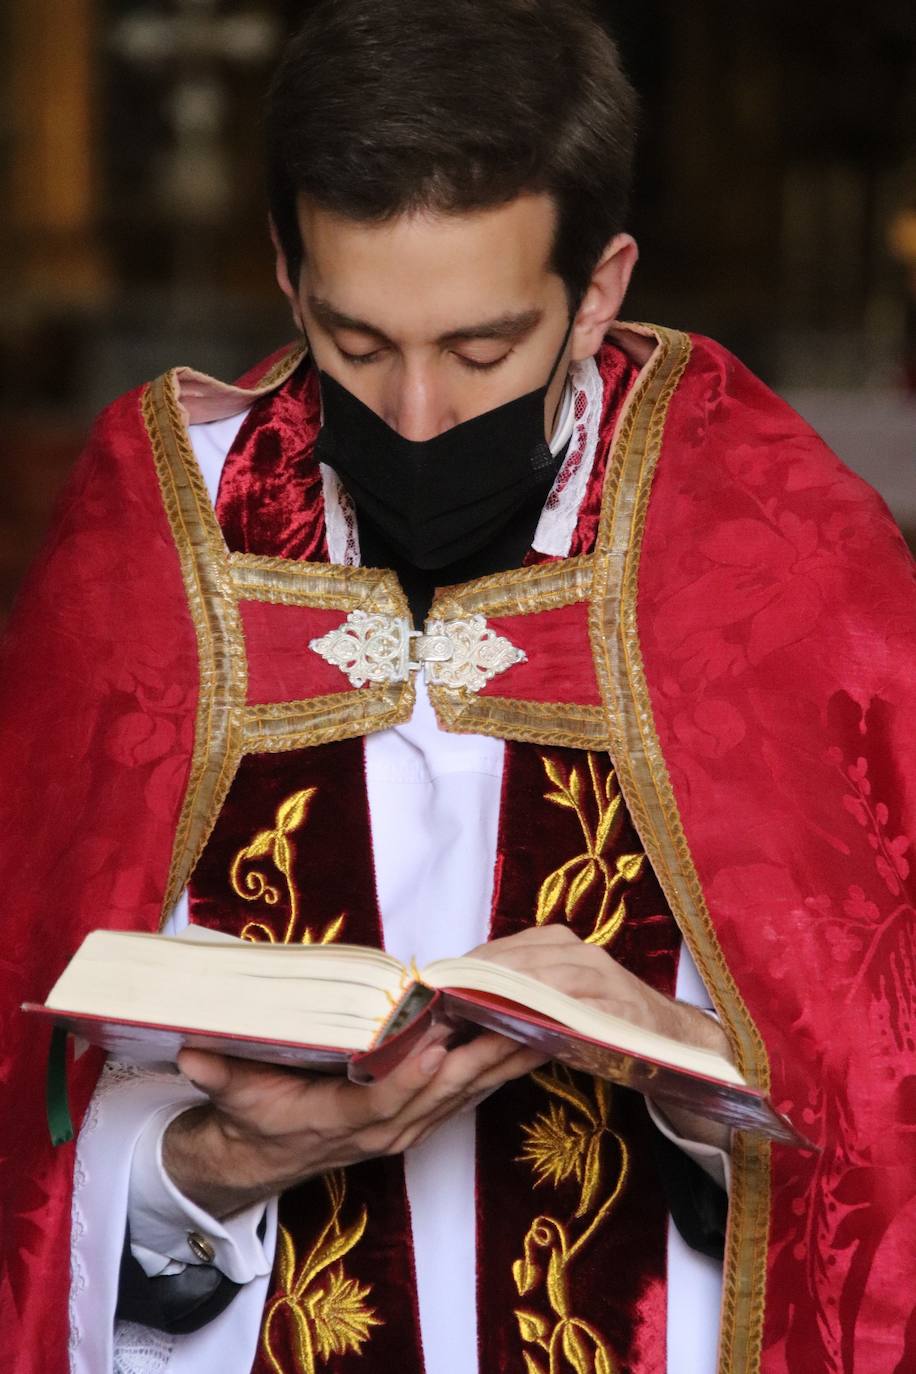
point(380, 648)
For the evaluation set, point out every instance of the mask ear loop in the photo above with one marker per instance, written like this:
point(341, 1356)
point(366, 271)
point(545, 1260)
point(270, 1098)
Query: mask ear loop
point(556, 364)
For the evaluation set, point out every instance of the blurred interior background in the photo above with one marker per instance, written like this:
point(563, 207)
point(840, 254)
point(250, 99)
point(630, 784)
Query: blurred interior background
point(775, 208)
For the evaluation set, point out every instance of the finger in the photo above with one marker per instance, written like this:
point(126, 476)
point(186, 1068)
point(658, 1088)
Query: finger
point(426, 1114)
point(476, 1067)
point(361, 1107)
point(539, 937)
point(211, 1073)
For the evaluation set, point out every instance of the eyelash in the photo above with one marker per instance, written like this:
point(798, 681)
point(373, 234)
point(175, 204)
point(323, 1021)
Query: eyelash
point(362, 359)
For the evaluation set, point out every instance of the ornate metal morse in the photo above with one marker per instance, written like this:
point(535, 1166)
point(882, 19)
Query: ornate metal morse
point(378, 648)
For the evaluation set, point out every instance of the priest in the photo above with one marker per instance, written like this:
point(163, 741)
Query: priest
point(484, 620)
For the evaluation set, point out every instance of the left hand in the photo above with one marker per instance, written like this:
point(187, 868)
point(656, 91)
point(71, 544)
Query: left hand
point(557, 957)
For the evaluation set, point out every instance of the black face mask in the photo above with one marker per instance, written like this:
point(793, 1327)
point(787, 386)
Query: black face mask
point(438, 500)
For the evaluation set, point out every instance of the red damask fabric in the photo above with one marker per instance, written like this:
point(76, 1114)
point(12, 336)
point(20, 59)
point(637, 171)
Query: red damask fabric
point(777, 620)
point(777, 615)
point(97, 701)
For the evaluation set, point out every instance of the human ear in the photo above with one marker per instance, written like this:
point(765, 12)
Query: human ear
point(281, 267)
point(600, 306)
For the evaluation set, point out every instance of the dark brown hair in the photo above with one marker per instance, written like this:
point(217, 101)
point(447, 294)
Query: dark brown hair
point(380, 107)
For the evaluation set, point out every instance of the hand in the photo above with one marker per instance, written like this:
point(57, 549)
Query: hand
point(266, 1129)
point(554, 955)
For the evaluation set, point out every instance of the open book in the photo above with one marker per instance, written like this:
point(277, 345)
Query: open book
point(356, 1009)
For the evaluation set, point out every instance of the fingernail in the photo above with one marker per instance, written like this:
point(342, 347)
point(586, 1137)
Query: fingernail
point(431, 1059)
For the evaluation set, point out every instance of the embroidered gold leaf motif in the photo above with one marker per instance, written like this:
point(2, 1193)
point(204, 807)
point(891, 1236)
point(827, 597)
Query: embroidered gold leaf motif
point(611, 812)
point(567, 1142)
point(576, 1350)
point(286, 1259)
point(590, 874)
point(605, 931)
point(579, 887)
point(252, 884)
point(554, 1147)
point(341, 1318)
point(326, 1311)
point(291, 813)
point(533, 1327)
point(526, 1275)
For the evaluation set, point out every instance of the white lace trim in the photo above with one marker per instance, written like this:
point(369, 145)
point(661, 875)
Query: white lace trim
point(561, 509)
point(339, 520)
point(140, 1350)
point(113, 1075)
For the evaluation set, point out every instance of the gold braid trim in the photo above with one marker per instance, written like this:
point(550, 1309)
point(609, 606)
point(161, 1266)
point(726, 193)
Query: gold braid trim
point(324, 586)
point(319, 720)
point(203, 558)
point(519, 591)
point(284, 367)
point(533, 722)
point(644, 781)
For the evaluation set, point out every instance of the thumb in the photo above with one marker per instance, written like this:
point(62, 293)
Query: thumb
point(211, 1073)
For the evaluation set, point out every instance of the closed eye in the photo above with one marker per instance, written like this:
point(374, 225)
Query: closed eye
point(359, 358)
point(474, 366)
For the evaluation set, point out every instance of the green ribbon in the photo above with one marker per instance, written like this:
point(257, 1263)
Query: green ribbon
point(60, 1126)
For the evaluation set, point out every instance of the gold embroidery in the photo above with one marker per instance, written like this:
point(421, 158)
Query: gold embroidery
point(214, 582)
point(253, 886)
point(570, 884)
point(643, 778)
point(568, 1140)
point(222, 681)
point(327, 1311)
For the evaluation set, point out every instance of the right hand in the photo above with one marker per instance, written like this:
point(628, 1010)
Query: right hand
point(266, 1129)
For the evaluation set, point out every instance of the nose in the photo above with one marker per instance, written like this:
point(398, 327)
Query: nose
point(417, 407)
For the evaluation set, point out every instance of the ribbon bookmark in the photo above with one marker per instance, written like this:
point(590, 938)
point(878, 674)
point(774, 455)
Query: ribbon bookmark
point(60, 1125)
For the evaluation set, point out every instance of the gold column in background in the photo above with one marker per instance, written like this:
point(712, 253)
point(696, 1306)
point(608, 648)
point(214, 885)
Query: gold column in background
point(52, 191)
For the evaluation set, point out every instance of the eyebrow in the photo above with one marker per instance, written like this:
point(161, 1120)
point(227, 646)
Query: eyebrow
point(511, 326)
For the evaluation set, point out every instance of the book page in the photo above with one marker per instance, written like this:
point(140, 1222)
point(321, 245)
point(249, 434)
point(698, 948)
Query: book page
point(336, 995)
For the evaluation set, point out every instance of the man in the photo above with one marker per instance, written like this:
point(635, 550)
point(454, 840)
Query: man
point(679, 660)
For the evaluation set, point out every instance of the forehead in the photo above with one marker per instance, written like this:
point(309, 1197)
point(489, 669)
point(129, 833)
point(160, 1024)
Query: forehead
point(421, 274)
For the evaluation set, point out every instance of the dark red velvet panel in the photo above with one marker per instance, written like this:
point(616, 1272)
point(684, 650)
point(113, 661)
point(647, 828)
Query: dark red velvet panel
point(290, 861)
point(269, 498)
point(571, 1218)
point(777, 614)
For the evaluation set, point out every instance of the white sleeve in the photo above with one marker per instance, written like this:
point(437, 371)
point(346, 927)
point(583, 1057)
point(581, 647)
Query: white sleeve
point(162, 1219)
point(124, 1104)
point(712, 1160)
